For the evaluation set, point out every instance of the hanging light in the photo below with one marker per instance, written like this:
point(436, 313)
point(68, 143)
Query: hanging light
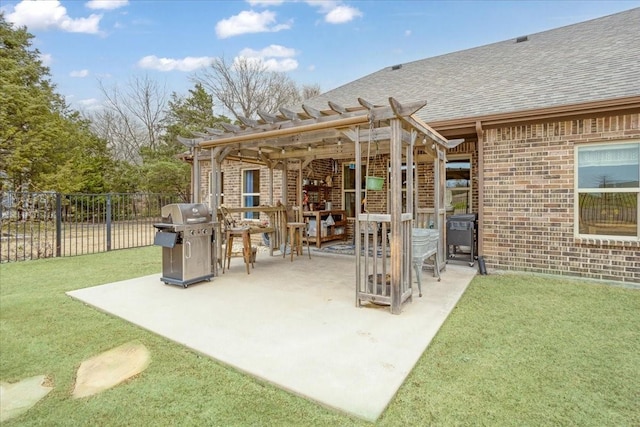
point(339, 142)
point(308, 148)
point(283, 151)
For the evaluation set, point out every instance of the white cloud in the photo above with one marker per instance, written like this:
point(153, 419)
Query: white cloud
point(249, 21)
point(46, 59)
point(79, 73)
point(88, 102)
point(265, 3)
point(342, 14)
point(189, 63)
point(89, 105)
point(271, 50)
point(280, 65)
point(335, 12)
point(44, 15)
point(106, 4)
point(407, 33)
point(274, 57)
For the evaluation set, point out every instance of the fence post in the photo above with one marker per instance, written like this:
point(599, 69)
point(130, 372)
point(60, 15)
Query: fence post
point(58, 224)
point(109, 222)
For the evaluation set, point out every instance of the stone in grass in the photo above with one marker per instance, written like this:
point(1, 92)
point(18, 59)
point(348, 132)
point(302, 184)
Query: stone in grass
point(110, 368)
point(18, 398)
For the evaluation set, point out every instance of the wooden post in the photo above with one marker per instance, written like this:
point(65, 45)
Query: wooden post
point(271, 185)
point(195, 197)
point(440, 214)
point(411, 172)
point(358, 197)
point(285, 173)
point(396, 215)
point(299, 186)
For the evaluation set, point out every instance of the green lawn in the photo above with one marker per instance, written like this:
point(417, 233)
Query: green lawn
point(517, 350)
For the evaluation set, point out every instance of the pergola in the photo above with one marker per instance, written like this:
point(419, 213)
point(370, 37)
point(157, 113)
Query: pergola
point(294, 139)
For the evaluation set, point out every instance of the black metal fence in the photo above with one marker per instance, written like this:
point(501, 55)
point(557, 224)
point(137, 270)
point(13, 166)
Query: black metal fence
point(45, 225)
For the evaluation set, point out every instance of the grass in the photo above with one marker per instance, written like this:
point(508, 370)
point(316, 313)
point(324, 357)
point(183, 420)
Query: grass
point(517, 350)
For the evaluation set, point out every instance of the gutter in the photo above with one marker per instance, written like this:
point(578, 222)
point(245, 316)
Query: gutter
point(467, 125)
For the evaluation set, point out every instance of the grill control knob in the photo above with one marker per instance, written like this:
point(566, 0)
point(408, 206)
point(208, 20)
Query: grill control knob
point(191, 231)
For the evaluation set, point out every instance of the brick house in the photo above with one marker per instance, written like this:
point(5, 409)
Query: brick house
point(551, 155)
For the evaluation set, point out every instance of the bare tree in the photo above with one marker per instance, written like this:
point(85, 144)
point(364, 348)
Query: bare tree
point(309, 91)
point(246, 86)
point(132, 117)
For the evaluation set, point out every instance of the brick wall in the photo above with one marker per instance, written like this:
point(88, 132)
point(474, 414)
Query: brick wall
point(528, 208)
point(232, 183)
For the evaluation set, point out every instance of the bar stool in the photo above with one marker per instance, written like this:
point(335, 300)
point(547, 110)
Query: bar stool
point(296, 231)
point(242, 232)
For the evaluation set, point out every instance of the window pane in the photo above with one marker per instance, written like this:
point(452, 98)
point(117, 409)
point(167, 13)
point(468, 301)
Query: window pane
point(458, 173)
point(251, 201)
point(459, 201)
point(251, 181)
point(349, 177)
point(610, 214)
point(350, 203)
point(610, 166)
point(251, 192)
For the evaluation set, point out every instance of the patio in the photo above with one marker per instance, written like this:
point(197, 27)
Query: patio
point(296, 327)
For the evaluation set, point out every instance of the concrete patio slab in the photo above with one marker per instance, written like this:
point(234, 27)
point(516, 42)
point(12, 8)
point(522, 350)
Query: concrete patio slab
point(294, 324)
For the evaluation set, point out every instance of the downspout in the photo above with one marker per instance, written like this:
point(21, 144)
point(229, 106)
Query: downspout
point(480, 150)
point(195, 197)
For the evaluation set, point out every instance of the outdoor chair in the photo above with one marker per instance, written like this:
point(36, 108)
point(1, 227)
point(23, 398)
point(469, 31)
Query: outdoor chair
point(297, 231)
point(231, 230)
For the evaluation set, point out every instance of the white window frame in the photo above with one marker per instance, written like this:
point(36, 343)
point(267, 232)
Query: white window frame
point(578, 191)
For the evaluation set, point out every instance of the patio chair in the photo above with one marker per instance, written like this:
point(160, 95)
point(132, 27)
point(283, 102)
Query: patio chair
point(231, 230)
point(297, 231)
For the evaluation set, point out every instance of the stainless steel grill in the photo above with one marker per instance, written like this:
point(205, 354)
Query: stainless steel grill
point(462, 232)
point(185, 235)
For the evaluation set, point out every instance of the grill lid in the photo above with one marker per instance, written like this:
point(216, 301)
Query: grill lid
point(185, 213)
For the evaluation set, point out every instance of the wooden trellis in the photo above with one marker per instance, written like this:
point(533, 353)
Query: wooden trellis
point(290, 138)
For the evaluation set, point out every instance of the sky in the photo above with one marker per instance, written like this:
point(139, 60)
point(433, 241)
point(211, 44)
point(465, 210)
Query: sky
point(316, 42)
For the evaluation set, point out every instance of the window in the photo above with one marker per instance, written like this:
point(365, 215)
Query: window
point(250, 191)
point(458, 191)
point(349, 187)
point(607, 188)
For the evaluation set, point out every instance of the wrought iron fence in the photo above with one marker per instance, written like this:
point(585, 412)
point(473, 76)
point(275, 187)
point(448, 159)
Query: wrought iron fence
point(45, 225)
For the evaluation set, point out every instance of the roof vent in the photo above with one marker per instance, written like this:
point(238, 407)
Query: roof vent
point(522, 39)
point(396, 67)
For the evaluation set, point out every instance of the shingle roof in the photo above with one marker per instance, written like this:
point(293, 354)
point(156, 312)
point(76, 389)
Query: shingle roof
point(589, 61)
